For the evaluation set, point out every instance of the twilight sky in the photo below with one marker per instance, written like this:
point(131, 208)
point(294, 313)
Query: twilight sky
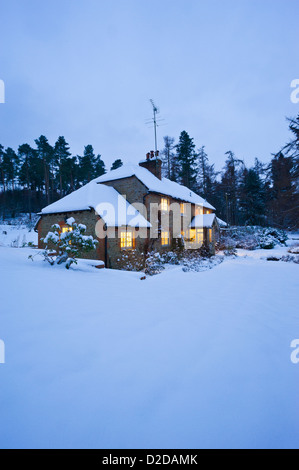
point(219, 69)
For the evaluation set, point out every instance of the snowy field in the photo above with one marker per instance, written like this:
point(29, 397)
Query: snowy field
point(99, 358)
point(16, 236)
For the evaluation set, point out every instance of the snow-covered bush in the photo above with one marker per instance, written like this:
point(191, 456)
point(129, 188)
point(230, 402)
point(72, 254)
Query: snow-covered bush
point(154, 263)
point(68, 245)
point(285, 258)
point(199, 263)
point(294, 250)
point(290, 259)
point(131, 260)
point(252, 238)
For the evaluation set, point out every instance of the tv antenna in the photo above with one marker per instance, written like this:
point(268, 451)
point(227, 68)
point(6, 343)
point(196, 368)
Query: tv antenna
point(155, 112)
point(156, 121)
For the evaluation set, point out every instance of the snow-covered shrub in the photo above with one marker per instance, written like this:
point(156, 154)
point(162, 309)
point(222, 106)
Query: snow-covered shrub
point(290, 259)
point(171, 257)
point(151, 262)
point(178, 247)
point(294, 250)
point(154, 263)
point(252, 238)
point(285, 258)
point(230, 251)
point(198, 263)
point(270, 237)
point(131, 260)
point(68, 245)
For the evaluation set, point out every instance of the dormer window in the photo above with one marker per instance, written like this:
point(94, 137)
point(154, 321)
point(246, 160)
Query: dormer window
point(164, 204)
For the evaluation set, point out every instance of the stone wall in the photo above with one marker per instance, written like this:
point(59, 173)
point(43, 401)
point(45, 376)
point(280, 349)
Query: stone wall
point(88, 218)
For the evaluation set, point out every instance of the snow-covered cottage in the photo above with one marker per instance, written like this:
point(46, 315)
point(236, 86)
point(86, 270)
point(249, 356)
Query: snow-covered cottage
point(134, 208)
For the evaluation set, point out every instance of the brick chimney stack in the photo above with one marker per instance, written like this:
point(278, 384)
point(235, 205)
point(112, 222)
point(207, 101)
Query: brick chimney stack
point(153, 163)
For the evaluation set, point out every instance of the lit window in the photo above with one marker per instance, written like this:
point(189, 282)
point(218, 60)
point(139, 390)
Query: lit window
point(209, 235)
point(199, 236)
point(164, 204)
point(164, 238)
point(183, 208)
point(192, 235)
point(198, 210)
point(126, 239)
point(66, 229)
point(208, 211)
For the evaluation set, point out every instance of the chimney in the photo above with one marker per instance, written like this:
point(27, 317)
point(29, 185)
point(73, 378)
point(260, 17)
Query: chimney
point(153, 163)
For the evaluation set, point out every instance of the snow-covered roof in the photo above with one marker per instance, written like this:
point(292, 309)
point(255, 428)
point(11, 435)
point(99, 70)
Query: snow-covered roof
point(203, 221)
point(105, 200)
point(221, 222)
point(154, 184)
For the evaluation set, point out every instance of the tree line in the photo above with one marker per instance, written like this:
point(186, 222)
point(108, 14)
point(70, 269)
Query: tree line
point(34, 177)
point(263, 194)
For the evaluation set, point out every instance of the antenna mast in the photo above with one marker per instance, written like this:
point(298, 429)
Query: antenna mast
point(155, 112)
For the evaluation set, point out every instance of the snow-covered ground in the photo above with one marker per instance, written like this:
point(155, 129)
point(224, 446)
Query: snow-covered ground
point(100, 358)
point(16, 236)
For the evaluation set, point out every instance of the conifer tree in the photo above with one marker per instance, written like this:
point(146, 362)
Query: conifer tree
point(116, 164)
point(169, 164)
point(187, 159)
point(252, 198)
point(87, 165)
point(10, 162)
point(284, 196)
point(61, 154)
point(99, 168)
point(1, 167)
point(46, 153)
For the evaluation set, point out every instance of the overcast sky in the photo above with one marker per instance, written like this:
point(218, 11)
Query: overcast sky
point(221, 70)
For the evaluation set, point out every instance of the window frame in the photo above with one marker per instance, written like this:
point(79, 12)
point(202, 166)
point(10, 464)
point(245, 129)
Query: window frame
point(165, 238)
point(124, 245)
point(162, 205)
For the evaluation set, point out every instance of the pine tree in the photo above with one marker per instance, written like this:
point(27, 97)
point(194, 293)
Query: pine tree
point(46, 153)
point(87, 165)
point(292, 148)
point(27, 171)
point(284, 202)
point(61, 154)
point(70, 174)
point(1, 167)
point(10, 162)
point(116, 164)
point(99, 168)
point(252, 198)
point(203, 171)
point(230, 186)
point(169, 166)
point(187, 159)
